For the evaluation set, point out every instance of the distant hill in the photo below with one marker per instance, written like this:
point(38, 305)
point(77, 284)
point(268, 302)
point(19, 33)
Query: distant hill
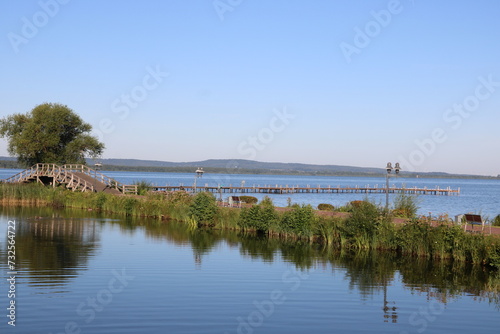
point(241, 166)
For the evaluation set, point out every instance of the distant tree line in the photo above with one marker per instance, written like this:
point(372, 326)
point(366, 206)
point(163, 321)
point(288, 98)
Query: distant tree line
point(9, 164)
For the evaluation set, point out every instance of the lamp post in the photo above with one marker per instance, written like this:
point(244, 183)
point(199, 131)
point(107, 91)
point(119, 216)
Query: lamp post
point(97, 165)
point(199, 173)
point(389, 169)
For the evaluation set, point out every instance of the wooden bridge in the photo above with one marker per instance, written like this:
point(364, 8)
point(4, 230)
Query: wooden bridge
point(278, 189)
point(74, 177)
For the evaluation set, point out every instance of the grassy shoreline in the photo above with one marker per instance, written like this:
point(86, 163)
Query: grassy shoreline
point(364, 228)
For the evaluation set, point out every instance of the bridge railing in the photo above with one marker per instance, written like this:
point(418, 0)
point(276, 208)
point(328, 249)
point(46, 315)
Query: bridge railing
point(35, 170)
point(65, 174)
point(110, 182)
point(50, 170)
point(19, 176)
point(74, 181)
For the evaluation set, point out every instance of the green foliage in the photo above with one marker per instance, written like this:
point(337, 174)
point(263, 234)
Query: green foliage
point(413, 238)
point(50, 133)
point(326, 207)
point(299, 220)
point(496, 221)
point(493, 251)
point(259, 217)
point(100, 200)
point(249, 199)
point(204, 208)
point(179, 197)
point(129, 205)
point(228, 218)
point(363, 221)
point(329, 232)
point(405, 206)
point(143, 187)
point(344, 208)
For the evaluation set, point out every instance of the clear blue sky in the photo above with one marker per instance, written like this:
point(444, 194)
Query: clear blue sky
point(322, 81)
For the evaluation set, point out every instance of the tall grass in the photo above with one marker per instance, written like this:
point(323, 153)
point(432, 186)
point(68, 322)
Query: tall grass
point(405, 206)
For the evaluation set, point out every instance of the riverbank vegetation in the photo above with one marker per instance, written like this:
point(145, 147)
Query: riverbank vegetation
point(365, 226)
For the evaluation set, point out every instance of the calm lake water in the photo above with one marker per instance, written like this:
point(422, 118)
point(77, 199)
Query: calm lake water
point(79, 272)
point(477, 196)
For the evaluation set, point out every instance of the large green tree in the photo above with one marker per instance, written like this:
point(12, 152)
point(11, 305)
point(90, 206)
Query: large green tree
point(50, 133)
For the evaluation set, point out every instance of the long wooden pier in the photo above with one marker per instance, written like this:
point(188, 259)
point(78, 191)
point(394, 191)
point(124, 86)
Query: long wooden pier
point(277, 189)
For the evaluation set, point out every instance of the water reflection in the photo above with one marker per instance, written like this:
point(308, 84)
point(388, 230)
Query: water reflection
point(51, 249)
point(368, 272)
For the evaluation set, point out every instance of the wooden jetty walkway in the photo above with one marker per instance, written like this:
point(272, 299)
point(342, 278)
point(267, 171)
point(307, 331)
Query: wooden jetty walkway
point(74, 177)
point(83, 178)
point(277, 189)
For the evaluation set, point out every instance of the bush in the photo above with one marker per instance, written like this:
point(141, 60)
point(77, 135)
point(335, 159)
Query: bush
point(203, 209)
point(249, 199)
point(259, 217)
point(363, 223)
point(496, 221)
point(325, 207)
point(299, 220)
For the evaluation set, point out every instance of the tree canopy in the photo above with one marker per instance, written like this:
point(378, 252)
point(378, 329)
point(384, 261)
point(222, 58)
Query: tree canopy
point(50, 133)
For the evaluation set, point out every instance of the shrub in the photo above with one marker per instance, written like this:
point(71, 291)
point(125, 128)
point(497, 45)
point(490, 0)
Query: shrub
point(259, 217)
point(496, 221)
point(494, 254)
point(204, 208)
point(363, 223)
point(325, 207)
point(299, 220)
point(249, 199)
